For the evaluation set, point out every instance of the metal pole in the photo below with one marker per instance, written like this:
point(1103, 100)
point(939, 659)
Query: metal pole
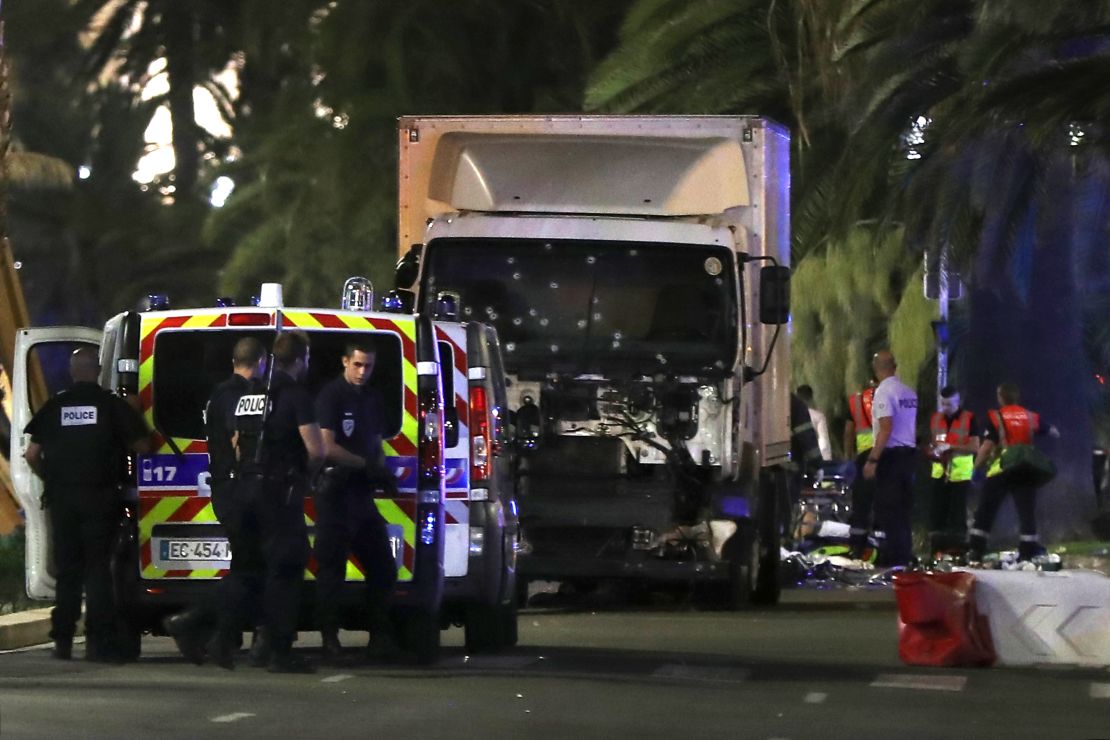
point(942, 299)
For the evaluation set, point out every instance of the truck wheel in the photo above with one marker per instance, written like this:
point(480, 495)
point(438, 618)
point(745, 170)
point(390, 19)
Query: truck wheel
point(420, 635)
point(490, 627)
point(741, 552)
point(773, 495)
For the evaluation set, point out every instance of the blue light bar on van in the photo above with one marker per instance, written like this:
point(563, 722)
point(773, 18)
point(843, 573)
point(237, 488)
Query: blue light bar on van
point(157, 302)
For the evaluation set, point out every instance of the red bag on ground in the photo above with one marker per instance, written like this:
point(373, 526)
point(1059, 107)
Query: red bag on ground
point(939, 624)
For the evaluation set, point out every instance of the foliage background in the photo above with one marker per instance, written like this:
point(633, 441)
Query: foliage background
point(918, 125)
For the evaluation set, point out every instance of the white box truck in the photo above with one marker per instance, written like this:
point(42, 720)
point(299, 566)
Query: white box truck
point(636, 269)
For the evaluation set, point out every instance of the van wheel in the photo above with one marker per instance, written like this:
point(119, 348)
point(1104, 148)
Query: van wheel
point(490, 627)
point(420, 635)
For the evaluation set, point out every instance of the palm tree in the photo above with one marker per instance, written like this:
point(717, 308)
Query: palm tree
point(316, 185)
point(193, 38)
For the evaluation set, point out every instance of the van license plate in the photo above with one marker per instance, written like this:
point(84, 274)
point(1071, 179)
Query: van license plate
point(196, 550)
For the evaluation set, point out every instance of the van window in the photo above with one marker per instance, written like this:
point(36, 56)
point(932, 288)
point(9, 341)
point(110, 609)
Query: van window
point(450, 410)
point(190, 363)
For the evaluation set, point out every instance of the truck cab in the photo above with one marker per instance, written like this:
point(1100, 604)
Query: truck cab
point(171, 547)
point(636, 269)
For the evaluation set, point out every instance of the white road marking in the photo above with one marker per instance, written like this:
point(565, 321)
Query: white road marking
point(1100, 691)
point(336, 678)
point(723, 674)
point(816, 697)
point(233, 717)
point(912, 681)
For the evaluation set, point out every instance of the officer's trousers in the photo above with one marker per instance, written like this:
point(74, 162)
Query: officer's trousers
point(947, 514)
point(348, 522)
point(995, 490)
point(85, 522)
point(269, 546)
point(894, 503)
point(863, 500)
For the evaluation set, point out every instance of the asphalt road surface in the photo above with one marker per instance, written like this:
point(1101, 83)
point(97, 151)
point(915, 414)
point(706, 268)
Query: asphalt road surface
point(821, 665)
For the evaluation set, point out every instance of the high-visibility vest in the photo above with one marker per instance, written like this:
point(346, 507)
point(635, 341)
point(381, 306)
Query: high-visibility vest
point(955, 434)
point(859, 406)
point(1016, 425)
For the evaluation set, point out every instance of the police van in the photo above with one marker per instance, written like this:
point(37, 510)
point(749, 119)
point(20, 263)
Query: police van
point(453, 537)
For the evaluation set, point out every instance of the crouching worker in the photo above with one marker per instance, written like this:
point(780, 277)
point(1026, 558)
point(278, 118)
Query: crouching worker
point(350, 412)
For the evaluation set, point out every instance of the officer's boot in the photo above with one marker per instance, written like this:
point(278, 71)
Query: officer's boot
point(331, 648)
point(976, 547)
point(260, 648)
point(383, 645)
point(1029, 547)
point(221, 648)
point(63, 647)
point(189, 633)
point(284, 660)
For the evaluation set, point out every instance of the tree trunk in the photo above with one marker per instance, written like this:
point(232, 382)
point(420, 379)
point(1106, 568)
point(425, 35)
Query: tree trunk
point(180, 40)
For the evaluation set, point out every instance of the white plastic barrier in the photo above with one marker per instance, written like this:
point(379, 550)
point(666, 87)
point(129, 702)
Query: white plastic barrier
point(1046, 617)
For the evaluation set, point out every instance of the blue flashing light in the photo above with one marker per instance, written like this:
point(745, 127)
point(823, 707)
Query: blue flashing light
point(157, 302)
point(392, 302)
point(428, 528)
point(225, 302)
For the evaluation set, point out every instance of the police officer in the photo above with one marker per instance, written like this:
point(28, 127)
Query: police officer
point(892, 460)
point(954, 440)
point(193, 628)
point(79, 439)
point(350, 413)
point(858, 441)
point(1009, 425)
point(277, 447)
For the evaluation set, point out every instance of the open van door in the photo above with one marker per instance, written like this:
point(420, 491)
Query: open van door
point(45, 352)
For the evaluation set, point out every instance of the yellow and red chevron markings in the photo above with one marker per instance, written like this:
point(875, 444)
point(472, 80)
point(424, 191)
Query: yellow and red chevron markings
point(187, 507)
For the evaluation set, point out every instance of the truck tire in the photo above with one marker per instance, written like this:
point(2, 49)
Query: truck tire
point(490, 627)
point(743, 566)
point(773, 495)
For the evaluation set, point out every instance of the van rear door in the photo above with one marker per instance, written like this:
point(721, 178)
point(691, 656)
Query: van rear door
point(454, 362)
point(41, 369)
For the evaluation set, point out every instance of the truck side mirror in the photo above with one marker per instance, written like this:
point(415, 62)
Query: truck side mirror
point(408, 267)
point(774, 294)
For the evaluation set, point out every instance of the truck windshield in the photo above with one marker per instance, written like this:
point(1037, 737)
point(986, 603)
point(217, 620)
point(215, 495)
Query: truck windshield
point(578, 307)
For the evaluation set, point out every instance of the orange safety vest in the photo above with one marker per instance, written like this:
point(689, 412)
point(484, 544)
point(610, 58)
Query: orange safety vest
point(956, 435)
point(1016, 425)
point(859, 406)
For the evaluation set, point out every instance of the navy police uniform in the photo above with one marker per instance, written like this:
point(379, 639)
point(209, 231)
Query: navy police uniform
point(264, 515)
point(85, 433)
point(347, 521)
